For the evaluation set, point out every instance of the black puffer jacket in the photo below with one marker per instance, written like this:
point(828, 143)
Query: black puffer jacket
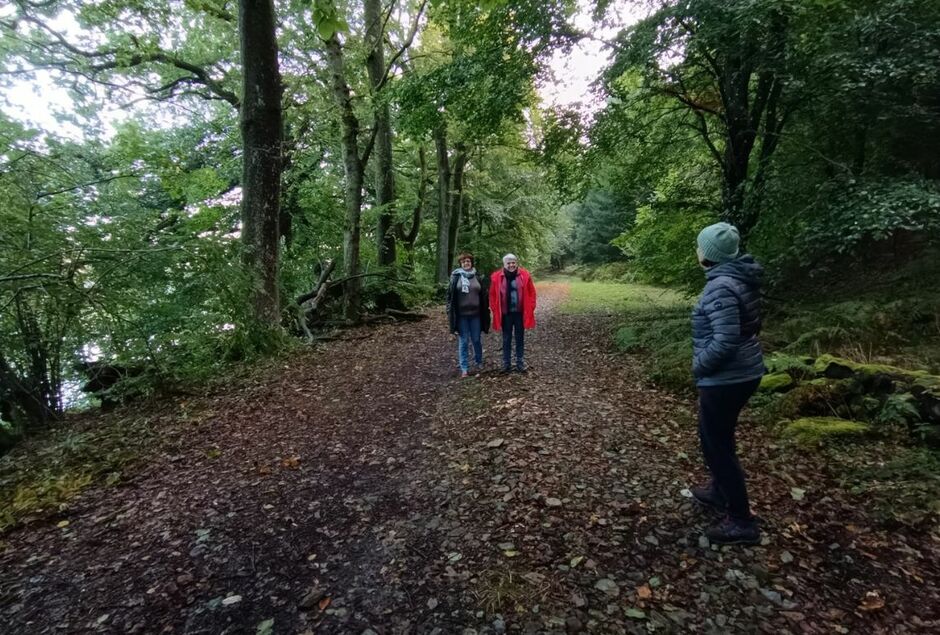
point(725, 324)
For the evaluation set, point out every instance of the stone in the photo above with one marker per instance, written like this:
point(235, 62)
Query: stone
point(608, 586)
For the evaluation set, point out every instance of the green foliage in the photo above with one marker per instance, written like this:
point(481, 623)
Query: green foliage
point(796, 367)
point(867, 212)
point(609, 272)
point(327, 19)
point(898, 409)
point(861, 329)
point(661, 247)
point(663, 335)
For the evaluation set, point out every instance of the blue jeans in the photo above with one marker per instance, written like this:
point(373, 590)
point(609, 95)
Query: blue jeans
point(468, 328)
point(719, 407)
point(512, 322)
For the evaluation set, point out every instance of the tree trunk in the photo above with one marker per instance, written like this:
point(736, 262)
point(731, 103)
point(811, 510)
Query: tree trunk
point(261, 138)
point(354, 168)
point(443, 207)
point(456, 199)
point(408, 238)
point(384, 169)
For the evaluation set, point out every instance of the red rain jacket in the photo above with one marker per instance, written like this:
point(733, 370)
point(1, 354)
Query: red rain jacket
point(526, 290)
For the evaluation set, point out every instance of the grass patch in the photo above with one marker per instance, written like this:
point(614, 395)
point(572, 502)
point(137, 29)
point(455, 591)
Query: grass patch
point(616, 297)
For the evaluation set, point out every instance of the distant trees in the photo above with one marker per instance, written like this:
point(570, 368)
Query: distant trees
point(808, 125)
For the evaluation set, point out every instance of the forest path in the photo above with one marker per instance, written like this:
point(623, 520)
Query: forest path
point(364, 488)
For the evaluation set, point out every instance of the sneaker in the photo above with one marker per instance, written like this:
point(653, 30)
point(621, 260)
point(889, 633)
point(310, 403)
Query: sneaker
point(463, 374)
point(506, 370)
point(730, 531)
point(522, 368)
point(709, 497)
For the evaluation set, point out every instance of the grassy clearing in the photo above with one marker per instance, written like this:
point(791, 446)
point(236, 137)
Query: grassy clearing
point(614, 297)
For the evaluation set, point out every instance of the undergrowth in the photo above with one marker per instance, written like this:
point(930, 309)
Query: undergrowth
point(41, 477)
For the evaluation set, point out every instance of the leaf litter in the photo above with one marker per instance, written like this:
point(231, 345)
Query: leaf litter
point(395, 498)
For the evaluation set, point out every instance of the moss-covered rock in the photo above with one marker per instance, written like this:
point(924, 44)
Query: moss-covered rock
point(777, 382)
point(817, 430)
point(840, 368)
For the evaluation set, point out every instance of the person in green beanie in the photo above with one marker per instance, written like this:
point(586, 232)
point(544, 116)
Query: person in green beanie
point(728, 365)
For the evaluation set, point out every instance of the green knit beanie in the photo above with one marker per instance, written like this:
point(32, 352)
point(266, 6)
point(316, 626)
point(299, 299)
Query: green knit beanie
point(718, 243)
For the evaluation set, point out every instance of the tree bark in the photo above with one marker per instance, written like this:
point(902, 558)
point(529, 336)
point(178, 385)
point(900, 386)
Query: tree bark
point(261, 137)
point(384, 169)
point(456, 199)
point(354, 168)
point(443, 204)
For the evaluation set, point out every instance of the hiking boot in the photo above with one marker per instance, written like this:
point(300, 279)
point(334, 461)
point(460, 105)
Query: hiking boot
point(506, 370)
point(522, 368)
point(709, 496)
point(731, 531)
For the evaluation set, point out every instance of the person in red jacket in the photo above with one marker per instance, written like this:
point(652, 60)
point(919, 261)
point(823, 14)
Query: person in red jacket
point(512, 302)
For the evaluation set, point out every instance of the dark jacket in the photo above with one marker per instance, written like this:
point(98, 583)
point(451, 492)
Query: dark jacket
point(453, 313)
point(725, 324)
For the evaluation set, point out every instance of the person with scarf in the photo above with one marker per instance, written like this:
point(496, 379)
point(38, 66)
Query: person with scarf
point(728, 365)
point(512, 301)
point(468, 311)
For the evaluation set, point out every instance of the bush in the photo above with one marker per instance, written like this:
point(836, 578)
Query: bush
point(661, 246)
point(864, 212)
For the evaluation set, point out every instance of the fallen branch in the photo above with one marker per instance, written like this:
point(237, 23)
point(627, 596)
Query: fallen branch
point(315, 297)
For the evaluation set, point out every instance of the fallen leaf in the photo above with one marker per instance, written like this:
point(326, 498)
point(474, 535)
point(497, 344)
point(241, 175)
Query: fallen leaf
point(637, 614)
point(325, 602)
point(291, 462)
point(644, 592)
point(872, 602)
point(797, 493)
point(62, 524)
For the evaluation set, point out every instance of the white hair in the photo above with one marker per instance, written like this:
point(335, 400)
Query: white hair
point(509, 257)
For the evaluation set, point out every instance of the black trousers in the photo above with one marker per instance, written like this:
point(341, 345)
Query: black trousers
point(719, 407)
point(512, 323)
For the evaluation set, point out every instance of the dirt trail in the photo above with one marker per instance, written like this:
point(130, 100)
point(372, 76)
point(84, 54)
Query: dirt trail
point(364, 488)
